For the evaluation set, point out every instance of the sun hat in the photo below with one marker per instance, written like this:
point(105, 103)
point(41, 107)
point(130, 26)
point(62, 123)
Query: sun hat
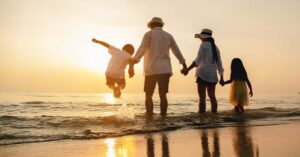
point(205, 33)
point(155, 20)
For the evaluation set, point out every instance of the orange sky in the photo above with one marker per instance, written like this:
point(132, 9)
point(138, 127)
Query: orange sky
point(45, 46)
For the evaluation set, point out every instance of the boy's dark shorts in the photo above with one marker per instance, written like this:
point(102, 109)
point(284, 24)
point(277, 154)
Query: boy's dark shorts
point(161, 79)
point(110, 81)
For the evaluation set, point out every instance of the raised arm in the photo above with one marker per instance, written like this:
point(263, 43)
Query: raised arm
point(100, 42)
point(250, 88)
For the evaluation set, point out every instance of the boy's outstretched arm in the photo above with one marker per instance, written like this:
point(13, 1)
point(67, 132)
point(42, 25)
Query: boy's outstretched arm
point(101, 42)
point(250, 87)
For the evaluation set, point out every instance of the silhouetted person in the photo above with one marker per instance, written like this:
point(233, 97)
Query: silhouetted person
point(208, 61)
point(216, 146)
point(165, 145)
point(150, 146)
point(238, 96)
point(115, 72)
point(205, 143)
point(157, 63)
point(242, 142)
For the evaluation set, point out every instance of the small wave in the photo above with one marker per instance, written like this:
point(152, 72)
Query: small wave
point(36, 95)
point(114, 125)
point(33, 102)
point(104, 105)
point(7, 117)
point(269, 112)
point(43, 102)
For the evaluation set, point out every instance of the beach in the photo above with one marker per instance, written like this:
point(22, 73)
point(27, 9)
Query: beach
point(152, 78)
point(41, 125)
point(267, 141)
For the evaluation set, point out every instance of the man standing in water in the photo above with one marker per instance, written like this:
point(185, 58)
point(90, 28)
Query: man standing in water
point(157, 63)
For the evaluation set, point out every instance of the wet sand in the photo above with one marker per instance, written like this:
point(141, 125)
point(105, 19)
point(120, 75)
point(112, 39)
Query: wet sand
point(265, 141)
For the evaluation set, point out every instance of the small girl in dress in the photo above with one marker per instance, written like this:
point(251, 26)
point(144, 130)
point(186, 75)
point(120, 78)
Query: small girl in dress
point(238, 92)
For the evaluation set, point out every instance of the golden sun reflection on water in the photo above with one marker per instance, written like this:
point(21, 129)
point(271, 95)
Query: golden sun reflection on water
point(109, 98)
point(121, 147)
point(110, 143)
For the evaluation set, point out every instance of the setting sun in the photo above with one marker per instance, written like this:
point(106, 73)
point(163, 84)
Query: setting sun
point(95, 60)
point(53, 40)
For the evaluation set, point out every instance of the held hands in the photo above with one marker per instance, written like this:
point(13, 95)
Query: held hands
point(131, 67)
point(131, 72)
point(221, 82)
point(133, 61)
point(184, 70)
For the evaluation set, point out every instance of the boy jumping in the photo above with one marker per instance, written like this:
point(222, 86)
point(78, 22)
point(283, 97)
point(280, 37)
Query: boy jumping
point(115, 72)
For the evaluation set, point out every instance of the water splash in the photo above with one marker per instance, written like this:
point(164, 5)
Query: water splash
point(125, 111)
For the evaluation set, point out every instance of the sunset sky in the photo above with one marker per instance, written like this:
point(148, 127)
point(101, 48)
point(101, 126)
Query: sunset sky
point(45, 45)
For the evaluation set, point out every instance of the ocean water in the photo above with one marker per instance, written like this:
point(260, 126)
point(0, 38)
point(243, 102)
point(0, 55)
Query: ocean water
point(37, 117)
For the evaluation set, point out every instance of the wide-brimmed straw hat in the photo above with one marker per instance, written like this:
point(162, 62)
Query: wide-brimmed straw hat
point(155, 20)
point(205, 33)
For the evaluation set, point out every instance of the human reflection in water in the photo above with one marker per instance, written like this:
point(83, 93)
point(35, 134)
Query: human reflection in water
point(164, 145)
point(242, 142)
point(150, 146)
point(205, 143)
point(216, 150)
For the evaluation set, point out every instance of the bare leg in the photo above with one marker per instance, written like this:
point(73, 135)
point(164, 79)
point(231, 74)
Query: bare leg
point(116, 90)
point(122, 86)
point(163, 104)
point(149, 104)
point(241, 108)
point(202, 97)
point(211, 90)
point(112, 87)
point(236, 109)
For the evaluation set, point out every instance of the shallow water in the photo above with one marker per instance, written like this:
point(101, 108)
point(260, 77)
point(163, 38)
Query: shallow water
point(34, 117)
point(240, 141)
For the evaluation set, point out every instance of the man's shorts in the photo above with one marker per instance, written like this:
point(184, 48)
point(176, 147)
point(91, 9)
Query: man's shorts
point(161, 79)
point(110, 81)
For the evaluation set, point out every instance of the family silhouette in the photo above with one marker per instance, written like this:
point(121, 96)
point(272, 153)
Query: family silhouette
point(155, 50)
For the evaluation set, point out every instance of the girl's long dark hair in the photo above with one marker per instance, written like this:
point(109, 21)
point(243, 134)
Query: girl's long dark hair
point(214, 49)
point(238, 71)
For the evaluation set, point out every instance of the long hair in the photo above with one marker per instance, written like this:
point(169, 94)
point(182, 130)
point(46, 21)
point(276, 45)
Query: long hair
point(238, 71)
point(214, 49)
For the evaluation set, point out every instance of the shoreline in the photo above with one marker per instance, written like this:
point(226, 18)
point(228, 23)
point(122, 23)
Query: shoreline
point(271, 140)
point(139, 125)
